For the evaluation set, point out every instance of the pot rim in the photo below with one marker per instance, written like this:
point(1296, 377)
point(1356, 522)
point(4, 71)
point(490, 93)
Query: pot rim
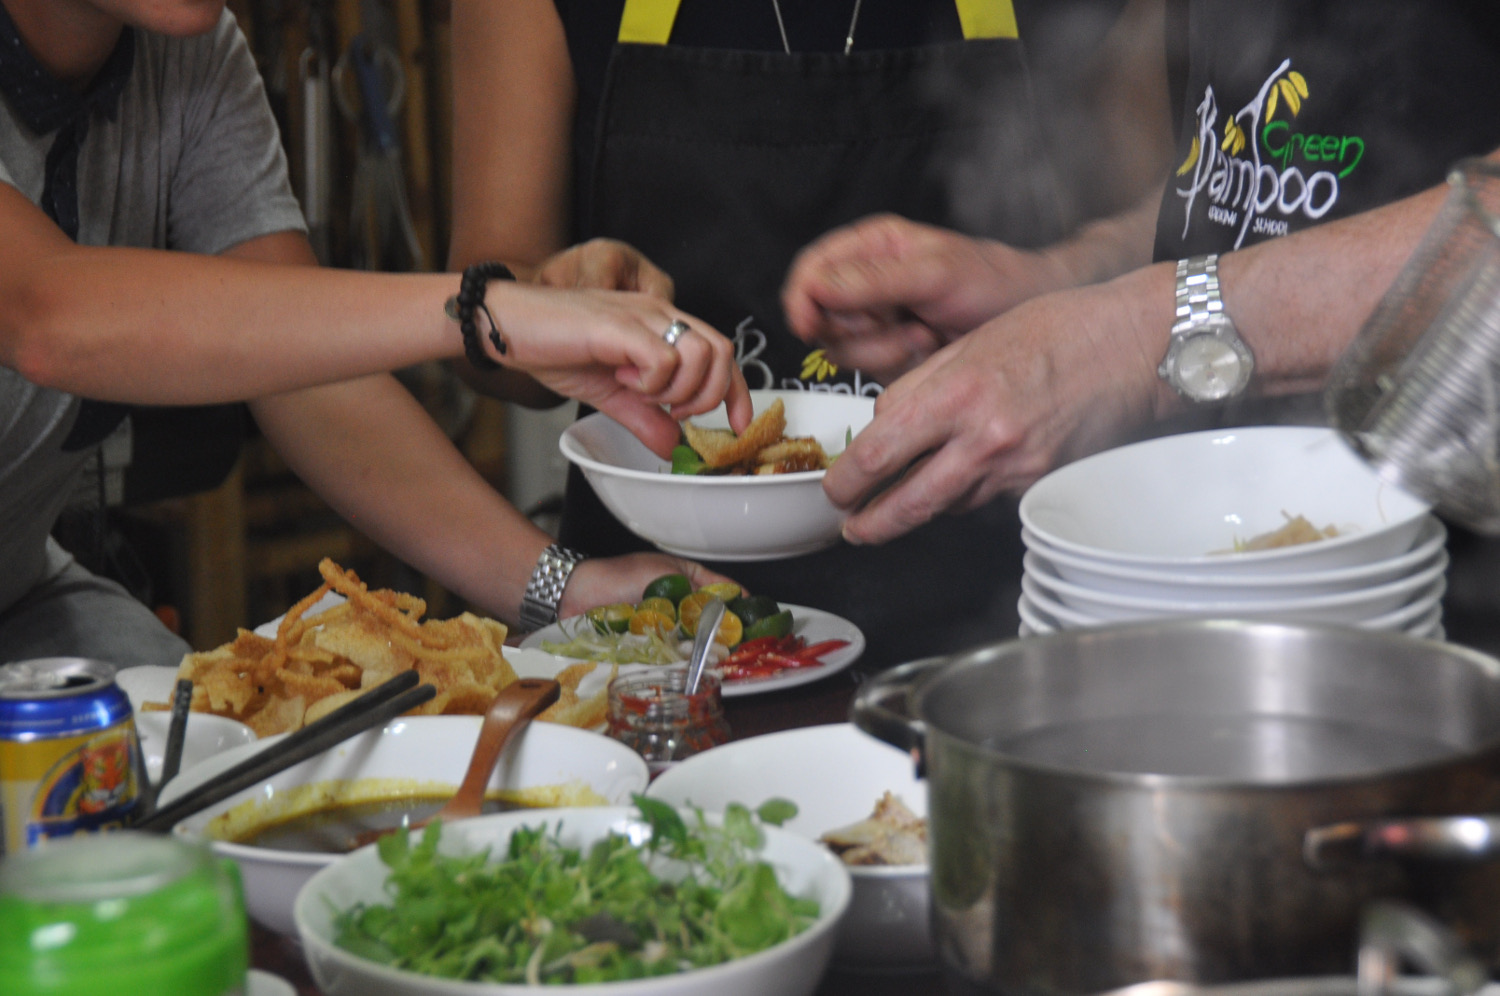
point(1486, 753)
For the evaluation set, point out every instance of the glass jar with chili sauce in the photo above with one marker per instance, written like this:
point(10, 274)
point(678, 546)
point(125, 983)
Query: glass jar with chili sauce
point(649, 712)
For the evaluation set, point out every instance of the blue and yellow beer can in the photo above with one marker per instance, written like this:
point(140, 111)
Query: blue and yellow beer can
point(70, 759)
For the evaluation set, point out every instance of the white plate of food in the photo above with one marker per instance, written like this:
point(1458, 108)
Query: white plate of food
point(812, 625)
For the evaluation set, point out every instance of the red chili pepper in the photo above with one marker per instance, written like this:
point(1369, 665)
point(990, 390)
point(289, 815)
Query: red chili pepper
point(752, 649)
point(817, 650)
point(770, 655)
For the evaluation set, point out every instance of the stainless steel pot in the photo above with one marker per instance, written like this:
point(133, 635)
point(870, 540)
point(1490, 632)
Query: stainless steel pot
point(1113, 806)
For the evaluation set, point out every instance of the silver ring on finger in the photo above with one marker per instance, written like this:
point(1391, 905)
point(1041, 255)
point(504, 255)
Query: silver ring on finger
point(675, 331)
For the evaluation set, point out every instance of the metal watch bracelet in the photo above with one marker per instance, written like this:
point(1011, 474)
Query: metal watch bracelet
point(544, 590)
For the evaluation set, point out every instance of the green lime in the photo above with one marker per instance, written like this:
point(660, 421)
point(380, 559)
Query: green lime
point(673, 587)
point(722, 590)
point(730, 627)
point(646, 621)
point(776, 624)
point(662, 606)
point(753, 608)
point(610, 618)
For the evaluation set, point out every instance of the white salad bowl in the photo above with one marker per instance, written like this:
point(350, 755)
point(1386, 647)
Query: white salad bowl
point(791, 968)
point(834, 774)
point(721, 517)
point(412, 755)
point(1175, 503)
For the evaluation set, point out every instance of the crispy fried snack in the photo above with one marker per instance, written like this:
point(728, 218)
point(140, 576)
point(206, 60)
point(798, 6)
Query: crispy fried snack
point(721, 448)
point(791, 455)
point(763, 449)
point(312, 667)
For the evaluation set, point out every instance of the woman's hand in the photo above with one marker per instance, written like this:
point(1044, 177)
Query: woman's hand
point(607, 349)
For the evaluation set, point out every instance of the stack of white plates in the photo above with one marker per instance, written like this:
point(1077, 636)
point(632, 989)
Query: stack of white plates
point(1149, 531)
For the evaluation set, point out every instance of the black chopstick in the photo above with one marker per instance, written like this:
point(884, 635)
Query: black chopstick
point(383, 702)
point(182, 701)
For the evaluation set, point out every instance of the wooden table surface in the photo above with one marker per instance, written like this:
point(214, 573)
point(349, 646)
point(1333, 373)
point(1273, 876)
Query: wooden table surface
point(825, 701)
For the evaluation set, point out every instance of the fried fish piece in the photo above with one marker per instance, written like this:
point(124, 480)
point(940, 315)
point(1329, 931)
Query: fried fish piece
point(891, 835)
point(791, 456)
point(721, 448)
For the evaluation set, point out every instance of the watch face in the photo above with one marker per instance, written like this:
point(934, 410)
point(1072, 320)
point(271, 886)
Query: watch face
point(1208, 368)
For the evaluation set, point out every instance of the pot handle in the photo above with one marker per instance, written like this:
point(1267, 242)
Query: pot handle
point(1392, 933)
point(1443, 838)
point(879, 706)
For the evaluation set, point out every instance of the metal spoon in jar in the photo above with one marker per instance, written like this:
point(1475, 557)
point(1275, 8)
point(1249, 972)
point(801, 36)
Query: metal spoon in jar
point(708, 625)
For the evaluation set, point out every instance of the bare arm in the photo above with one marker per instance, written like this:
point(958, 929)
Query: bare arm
point(160, 327)
point(513, 102)
point(371, 451)
point(885, 293)
point(1065, 374)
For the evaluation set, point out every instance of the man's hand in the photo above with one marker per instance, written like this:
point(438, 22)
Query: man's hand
point(1053, 379)
point(885, 293)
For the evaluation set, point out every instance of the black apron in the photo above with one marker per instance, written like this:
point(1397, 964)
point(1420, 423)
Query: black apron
point(720, 165)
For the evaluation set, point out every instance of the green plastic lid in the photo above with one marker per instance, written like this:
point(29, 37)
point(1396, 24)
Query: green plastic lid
point(121, 913)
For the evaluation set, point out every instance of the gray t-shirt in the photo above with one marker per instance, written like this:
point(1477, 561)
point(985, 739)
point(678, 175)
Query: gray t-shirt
point(192, 161)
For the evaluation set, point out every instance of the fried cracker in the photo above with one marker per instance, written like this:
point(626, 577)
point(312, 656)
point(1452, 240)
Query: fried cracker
point(722, 448)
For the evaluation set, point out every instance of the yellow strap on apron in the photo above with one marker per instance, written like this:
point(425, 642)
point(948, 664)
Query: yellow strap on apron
point(988, 19)
point(649, 22)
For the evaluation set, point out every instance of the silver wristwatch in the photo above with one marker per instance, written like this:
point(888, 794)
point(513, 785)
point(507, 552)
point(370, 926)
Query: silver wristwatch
point(1206, 358)
point(544, 590)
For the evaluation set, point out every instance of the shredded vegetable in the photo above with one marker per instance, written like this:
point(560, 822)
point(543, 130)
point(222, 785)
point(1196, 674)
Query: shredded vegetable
point(549, 914)
point(586, 643)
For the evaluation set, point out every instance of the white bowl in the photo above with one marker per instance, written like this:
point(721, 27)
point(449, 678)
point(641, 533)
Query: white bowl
point(1102, 576)
point(414, 753)
point(791, 968)
point(1412, 613)
point(1348, 606)
point(1170, 503)
point(204, 736)
point(1420, 613)
point(835, 774)
point(1034, 622)
point(721, 518)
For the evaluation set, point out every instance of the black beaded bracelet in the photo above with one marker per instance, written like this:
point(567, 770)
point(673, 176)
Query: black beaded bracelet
point(470, 298)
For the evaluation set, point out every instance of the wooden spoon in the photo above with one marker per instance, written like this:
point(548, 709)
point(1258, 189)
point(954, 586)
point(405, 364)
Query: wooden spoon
point(508, 715)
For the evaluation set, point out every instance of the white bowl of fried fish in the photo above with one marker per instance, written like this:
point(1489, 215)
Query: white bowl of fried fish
point(856, 794)
point(763, 496)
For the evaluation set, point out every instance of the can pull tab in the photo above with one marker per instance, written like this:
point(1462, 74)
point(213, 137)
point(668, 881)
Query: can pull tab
point(44, 675)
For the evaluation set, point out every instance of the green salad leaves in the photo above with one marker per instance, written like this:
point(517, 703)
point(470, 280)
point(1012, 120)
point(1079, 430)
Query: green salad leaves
point(690, 896)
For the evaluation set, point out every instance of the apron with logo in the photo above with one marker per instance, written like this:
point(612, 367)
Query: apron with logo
point(1298, 112)
point(720, 165)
